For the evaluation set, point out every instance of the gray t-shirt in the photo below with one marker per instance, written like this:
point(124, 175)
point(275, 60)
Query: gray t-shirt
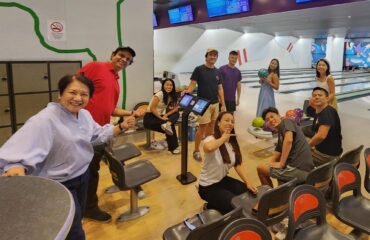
point(300, 154)
point(207, 80)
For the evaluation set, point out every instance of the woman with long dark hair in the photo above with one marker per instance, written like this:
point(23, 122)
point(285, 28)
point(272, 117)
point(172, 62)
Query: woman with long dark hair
point(222, 152)
point(266, 96)
point(326, 81)
point(162, 114)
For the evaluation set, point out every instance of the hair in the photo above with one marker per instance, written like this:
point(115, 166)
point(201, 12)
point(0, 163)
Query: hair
point(233, 52)
point(125, 49)
point(233, 141)
point(169, 98)
point(327, 64)
point(321, 89)
point(68, 79)
point(277, 70)
point(268, 110)
point(210, 52)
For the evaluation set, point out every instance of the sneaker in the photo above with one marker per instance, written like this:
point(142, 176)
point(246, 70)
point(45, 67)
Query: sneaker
point(164, 143)
point(97, 215)
point(140, 192)
point(167, 128)
point(197, 156)
point(176, 151)
point(156, 146)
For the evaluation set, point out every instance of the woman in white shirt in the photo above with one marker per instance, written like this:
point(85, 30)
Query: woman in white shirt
point(326, 81)
point(162, 114)
point(222, 152)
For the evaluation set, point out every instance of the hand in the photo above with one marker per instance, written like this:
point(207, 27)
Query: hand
point(165, 118)
point(15, 171)
point(223, 108)
point(276, 165)
point(252, 188)
point(129, 122)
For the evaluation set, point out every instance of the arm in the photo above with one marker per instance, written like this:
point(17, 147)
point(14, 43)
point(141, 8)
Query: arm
point(238, 92)
point(191, 86)
point(240, 171)
point(153, 108)
point(331, 85)
point(118, 112)
point(221, 97)
point(274, 82)
point(214, 144)
point(175, 109)
point(319, 136)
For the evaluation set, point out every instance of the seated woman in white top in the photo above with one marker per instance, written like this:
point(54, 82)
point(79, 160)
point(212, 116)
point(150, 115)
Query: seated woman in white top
point(162, 114)
point(326, 81)
point(222, 152)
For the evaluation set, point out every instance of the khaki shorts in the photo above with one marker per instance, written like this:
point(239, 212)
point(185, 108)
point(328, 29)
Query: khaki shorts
point(288, 173)
point(211, 114)
point(320, 158)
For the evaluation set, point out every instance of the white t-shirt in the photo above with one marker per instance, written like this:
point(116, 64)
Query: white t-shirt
point(161, 107)
point(213, 168)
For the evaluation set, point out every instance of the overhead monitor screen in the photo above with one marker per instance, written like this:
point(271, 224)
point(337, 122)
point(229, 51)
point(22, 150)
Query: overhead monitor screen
point(357, 53)
point(186, 100)
point(225, 7)
point(303, 1)
point(200, 106)
point(180, 14)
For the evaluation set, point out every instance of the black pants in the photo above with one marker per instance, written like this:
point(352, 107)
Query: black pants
point(153, 123)
point(92, 197)
point(219, 195)
point(78, 187)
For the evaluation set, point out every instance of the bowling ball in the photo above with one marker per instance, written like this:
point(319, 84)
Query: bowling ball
point(263, 73)
point(266, 128)
point(290, 113)
point(299, 112)
point(258, 122)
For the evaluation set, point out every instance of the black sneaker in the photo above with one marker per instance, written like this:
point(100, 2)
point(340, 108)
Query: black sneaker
point(97, 215)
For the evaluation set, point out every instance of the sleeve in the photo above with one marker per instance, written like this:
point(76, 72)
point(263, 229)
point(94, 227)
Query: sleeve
point(100, 134)
point(195, 74)
point(208, 139)
point(29, 146)
point(240, 76)
point(326, 117)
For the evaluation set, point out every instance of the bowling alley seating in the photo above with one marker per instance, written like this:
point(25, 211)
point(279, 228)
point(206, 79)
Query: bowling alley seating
point(245, 228)
point(129, 177)
point(349, 206)
point(367, 171)
point(203, 226)
point(306, 203)
point(270, 206)
point(321, 177)
point(352, 157)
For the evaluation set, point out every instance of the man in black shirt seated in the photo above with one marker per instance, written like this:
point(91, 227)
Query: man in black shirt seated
point(327, 142)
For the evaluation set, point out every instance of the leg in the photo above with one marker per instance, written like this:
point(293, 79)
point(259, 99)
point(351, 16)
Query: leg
point(263, 171)
point(199, 135)
point(210, 128)
point(172, 140)
point(233, 185)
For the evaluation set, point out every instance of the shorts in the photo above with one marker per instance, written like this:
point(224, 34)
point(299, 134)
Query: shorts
point(211, 114)
point(320, 158)
point(230, 106)
point(288, 173)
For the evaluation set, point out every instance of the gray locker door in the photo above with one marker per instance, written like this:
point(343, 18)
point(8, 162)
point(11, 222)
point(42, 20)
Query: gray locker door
point(30, 77)
point(5, 134)
point(30, 104)
point(5, 118)
point(58, 70)
point(3, 79)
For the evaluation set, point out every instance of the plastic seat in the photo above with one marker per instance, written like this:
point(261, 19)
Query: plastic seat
point(208, 225)
point(307, 202)
point(272, 203)
point(245, 228)
point(129, 177)
point(367, 172)
point(354, 209)
point(321, 177)
point(352, 157)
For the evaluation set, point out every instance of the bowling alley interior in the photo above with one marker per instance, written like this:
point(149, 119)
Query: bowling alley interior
point(143, 120)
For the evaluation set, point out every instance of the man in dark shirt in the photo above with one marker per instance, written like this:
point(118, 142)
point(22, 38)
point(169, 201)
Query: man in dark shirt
point(209, 81)
point(327, 141)
point(292, 157)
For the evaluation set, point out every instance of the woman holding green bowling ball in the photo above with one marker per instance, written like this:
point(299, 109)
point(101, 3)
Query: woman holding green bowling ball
point(266, 96)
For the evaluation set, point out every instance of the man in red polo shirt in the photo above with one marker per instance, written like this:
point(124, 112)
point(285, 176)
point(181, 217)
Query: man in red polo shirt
point(102, 106)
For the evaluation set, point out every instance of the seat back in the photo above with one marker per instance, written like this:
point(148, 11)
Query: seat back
point(245, 228)
point(116, 169)
point(321, 177)
point(367, 171)
point(213, 229)
point(273, 205)
point(352, 157)
point(346, 178)
point(305, 203)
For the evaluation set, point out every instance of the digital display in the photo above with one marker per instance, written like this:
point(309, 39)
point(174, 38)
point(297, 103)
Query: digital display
point(185, 100)
point(318, 50)
point(155, 24)
point(303, 1)
point(226, 7)
point(180, 14)
point(201, 106)
point(357, 53)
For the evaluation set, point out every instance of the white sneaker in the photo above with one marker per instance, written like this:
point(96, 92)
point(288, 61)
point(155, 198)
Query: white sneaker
point(176, 151)
point(156, 146)
point(167, 128)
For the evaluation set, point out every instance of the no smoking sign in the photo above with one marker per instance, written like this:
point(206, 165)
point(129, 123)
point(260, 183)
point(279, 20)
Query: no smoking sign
point(56, 30)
